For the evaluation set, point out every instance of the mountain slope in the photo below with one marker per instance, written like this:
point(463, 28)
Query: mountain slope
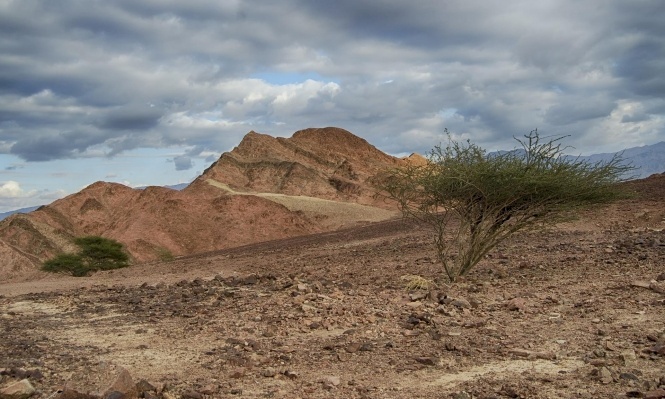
point(328, 163)
point(266, 188)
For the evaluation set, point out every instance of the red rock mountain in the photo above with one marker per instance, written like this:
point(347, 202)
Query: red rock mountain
point(266, 188)
point(328, 163)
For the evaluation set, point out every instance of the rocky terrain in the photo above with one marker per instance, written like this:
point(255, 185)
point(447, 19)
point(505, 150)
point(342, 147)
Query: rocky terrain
point(577, 311)
point(266, 188)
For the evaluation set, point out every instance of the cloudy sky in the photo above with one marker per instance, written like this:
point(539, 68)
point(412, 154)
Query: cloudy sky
point(152, 91)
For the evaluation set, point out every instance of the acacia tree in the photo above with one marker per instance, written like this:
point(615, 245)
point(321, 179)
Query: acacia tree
point(474, 200)
point(95, 253)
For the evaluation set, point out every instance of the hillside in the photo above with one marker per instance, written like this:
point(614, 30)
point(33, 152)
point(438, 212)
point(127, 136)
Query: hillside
point(266, 188)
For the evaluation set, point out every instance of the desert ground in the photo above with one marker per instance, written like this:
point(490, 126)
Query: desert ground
point(576, 311)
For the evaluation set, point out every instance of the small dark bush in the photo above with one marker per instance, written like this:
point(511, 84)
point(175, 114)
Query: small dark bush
point(96, 253)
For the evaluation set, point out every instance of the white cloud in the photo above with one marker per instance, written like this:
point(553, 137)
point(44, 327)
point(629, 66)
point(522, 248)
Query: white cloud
point(12, 189)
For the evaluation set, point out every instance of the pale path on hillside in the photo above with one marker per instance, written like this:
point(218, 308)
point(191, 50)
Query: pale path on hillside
point(338, 213)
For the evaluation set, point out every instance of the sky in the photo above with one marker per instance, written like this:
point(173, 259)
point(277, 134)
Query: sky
point(152, 92)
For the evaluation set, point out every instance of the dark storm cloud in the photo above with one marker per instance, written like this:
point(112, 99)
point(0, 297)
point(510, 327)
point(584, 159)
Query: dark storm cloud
point(128, 74)
point(575, 111)
point(54, 146)
point(183, 162)
point(131, 118)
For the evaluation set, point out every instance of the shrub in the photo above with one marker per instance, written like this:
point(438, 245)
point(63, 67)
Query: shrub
point(95, 253)
point(66, 263)
point(485, 198)
point(164, 255)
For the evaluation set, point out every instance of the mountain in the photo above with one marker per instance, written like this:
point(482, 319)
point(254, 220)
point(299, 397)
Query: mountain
point(266, 188)
point(4, 215)
point(648, 159)
point(328, 163)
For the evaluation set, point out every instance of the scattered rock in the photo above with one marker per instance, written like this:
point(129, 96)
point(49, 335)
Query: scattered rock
point(427, 361)
point(461, 303)
point(353, 347)
point(461, 395)
point(658, 287)
point(101, 381)
point(418, 296)
point(191, 394)
point(144, 386)
point(269, 372)
point(22, 389)
point(605, 375)
point(641, 284)
point(518, 304)
point(291, 374)
point(237, 373)
point(655, 394)
point(331, 381)
point(628, 376)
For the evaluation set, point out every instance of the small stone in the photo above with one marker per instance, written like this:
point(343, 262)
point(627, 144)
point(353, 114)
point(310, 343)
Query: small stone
point(599, 353)
point(516, 304)
point(18, 390)
point(610, 346)
point(103, 380)
point(461, 395)
point(655, 394)
point(237, 373)
point(658, 287)
point(209, 390)
point(191, 394)
point(353, 347)
point(417, 296)
point(115, 395)
point(605, 375)
point(291, 374)
point(332, 380)
point(427, 361)
point(628, 376)
point(658, 349)
point(269, 372)
point(641, 284)
point(145, 386)
point(629, 357)
point(461, 303)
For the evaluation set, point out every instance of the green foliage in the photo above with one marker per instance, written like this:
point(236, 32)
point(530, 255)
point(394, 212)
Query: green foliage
point(95, 253)
point(486, 198)
point(66, 263)
point(164, 254)
point(101, 253)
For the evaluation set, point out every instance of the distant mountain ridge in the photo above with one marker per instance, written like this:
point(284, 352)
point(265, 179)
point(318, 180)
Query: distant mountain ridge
point(29, 209)
point(648, 159)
